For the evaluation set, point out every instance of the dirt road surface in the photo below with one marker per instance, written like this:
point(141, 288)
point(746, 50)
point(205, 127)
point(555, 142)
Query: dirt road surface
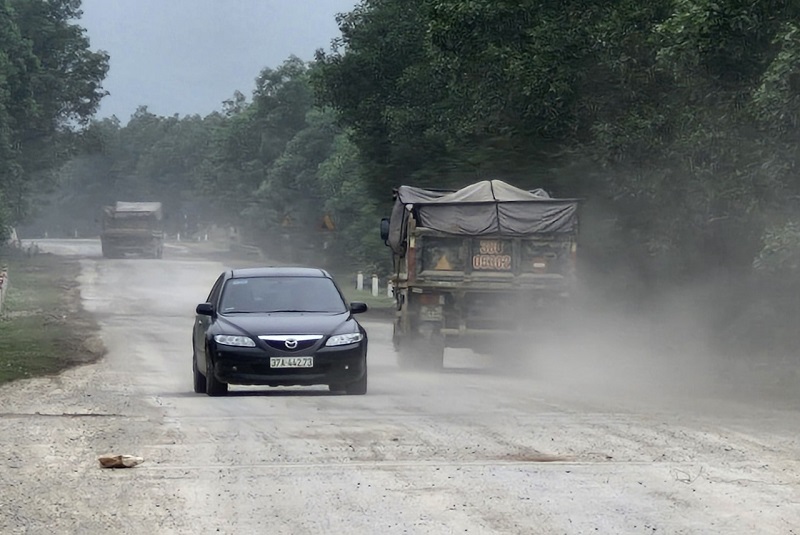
point(468, 450)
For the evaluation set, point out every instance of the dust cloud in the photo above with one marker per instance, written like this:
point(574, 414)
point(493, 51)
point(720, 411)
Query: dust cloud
point(672, 350)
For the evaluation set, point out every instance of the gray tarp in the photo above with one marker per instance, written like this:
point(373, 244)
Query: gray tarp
point(491, 207)
point(137, 208)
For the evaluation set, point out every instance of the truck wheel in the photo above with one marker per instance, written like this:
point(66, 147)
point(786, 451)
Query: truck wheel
point(214, 387)
point(422, 353)
point(406, 357)
point(432, 352)
point(404, 346)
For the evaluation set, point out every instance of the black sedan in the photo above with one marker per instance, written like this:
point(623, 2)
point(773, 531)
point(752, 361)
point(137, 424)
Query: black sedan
point(278, 326)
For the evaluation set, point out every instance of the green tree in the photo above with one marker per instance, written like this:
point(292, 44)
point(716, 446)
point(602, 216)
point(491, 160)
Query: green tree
point(379, 78)
point(651, 111)
point(251, 139)
point(343, 183)
point(50, 86)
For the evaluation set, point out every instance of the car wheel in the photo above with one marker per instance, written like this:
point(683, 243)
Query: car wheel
point(214, 387)
point(199, 378)
point(358, 388)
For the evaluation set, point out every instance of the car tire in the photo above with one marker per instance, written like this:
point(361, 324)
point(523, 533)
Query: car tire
point(199, 378)
point(214, 387)
point(358, 388)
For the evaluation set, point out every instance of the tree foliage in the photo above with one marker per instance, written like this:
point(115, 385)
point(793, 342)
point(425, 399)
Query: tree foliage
point(676, 119)
point(274, 166)
point(50, 86)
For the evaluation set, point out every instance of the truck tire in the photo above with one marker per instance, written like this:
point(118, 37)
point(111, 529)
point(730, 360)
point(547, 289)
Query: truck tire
point(420, 353)
point(406, 355)
point(432, 351)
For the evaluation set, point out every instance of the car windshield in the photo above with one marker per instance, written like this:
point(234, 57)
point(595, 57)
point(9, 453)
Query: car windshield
point(281, 294)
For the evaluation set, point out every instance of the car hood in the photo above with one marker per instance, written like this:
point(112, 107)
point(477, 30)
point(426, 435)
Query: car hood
point(255, 325)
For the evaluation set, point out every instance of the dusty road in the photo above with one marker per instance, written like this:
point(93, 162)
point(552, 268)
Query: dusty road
point(464, 451)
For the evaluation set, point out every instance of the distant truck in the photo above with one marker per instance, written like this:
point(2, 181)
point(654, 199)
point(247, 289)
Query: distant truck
point(132, 227)
point(475, 267)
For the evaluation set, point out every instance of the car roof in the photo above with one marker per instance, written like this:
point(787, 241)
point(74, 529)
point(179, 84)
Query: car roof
point(282, 271)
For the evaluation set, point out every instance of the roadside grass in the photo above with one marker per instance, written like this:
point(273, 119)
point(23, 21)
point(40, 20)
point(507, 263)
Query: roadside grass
point(43, 328)
point(347, 283)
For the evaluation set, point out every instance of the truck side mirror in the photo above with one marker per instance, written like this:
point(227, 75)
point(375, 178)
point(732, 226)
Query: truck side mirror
point(385, 229)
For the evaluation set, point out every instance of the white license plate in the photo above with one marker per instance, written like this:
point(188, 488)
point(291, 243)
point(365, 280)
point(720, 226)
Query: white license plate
point(291, 362)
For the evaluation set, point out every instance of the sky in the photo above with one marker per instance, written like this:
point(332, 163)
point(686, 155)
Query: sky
point(186, 57)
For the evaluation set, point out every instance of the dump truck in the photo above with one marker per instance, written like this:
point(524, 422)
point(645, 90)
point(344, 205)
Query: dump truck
point(477, 267)
point(132, 227)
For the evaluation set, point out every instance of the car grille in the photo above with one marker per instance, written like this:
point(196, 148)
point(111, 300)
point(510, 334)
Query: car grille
point(291, 343)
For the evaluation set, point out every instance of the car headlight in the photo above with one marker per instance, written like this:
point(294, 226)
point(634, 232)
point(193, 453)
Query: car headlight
point(238, 341)
point(344, 339)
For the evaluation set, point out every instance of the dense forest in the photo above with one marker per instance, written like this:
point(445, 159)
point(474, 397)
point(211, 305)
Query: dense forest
point(675, 120)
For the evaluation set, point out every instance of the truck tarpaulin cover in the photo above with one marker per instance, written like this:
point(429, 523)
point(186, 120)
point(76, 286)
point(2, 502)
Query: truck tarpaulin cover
point(491, 207)
point(135, 209)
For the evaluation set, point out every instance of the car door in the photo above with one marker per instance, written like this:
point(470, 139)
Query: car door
point(202, 323)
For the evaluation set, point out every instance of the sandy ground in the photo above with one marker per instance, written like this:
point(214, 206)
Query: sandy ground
point(468, 450)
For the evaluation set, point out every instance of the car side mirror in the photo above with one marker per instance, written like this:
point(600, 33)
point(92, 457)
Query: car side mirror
point(385, 229)
point(205, 309)
point(358, 308)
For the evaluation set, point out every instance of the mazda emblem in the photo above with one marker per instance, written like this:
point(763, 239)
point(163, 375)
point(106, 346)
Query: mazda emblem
point(290, 343)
